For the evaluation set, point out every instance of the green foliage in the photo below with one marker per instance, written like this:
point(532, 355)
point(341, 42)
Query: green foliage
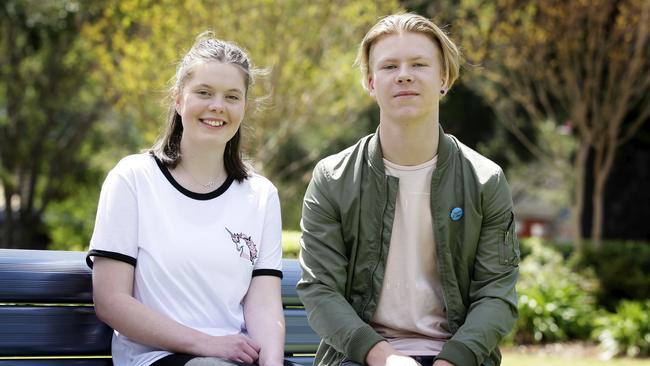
point(545, 62)
point(290, 243)
point(627, 332)
point(622, 268)
point(70, 222)
point(50, 105)
point(565, 249)
point(309, 48)
point(69, 67)
point(511, 358)
point(555, 302)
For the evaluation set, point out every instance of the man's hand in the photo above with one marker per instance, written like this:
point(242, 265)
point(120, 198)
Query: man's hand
point(383, 354)
point(442, 363)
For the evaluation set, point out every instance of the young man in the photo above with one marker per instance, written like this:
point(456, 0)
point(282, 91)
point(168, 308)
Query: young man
point(408, 247)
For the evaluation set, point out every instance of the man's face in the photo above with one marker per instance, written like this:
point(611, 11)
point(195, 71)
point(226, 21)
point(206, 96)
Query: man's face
point(404, 76)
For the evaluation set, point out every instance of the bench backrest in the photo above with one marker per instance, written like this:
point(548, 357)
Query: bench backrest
point(47, 316)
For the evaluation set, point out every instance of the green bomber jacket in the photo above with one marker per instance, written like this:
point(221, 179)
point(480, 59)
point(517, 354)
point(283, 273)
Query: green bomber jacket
point(346, 228)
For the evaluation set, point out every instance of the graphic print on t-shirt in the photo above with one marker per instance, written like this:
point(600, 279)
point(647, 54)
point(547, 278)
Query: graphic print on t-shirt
point(252, 249)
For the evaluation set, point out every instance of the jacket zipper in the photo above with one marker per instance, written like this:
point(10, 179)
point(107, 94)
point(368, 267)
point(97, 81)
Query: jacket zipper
point(437, 240)
point(381, 245)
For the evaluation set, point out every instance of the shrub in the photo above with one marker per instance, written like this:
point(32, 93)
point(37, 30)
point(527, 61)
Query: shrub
point(555, 302)
point(626, 332)
point(622, 270)
point(566, 249)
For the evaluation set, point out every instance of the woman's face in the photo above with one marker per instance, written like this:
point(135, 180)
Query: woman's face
point(212, 103)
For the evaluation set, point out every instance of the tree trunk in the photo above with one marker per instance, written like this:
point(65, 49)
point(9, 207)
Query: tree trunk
point(603, 163)
point(580, 165)
point(598, 208)
point(8, 222)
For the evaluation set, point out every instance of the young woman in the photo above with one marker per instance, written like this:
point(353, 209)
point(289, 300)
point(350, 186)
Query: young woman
point(186, 251)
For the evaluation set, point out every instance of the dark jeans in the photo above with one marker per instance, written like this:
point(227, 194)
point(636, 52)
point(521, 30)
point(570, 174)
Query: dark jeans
point(181, 359)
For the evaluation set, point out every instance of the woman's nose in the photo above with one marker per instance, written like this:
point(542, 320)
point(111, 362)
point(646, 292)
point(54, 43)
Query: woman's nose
point(216, 105)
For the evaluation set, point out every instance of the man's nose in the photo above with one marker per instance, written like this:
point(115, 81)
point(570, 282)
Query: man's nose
point(404, 76)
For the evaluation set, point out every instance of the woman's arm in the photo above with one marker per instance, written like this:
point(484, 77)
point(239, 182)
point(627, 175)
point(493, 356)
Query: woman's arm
point(116, 306)
point(265, 318)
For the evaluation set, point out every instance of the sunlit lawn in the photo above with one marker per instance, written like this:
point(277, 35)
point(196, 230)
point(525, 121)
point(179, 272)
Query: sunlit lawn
point(290, 243)
point(515, 359)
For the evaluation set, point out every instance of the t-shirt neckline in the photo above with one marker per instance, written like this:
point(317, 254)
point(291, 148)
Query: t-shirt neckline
point(425, 165)
point(194, 195)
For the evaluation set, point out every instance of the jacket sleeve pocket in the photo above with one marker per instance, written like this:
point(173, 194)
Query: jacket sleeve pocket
point(509, 247)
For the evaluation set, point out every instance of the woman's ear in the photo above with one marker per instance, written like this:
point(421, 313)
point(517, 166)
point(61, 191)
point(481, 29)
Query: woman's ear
point(177, 103)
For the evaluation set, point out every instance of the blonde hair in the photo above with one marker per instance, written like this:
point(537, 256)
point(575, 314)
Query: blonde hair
point(410, 22)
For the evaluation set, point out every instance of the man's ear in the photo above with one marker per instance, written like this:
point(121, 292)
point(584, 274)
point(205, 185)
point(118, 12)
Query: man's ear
point(370, 84)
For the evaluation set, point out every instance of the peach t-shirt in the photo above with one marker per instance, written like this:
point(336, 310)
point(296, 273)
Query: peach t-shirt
point(411, 313)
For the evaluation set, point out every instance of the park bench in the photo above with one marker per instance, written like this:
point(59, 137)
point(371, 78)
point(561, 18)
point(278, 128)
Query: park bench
point(47, 316)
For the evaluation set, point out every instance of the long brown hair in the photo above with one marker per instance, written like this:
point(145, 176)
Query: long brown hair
point(206, 48)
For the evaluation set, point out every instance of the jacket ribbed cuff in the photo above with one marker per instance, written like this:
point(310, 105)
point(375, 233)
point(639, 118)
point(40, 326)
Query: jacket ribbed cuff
point(361, 342)
point(458, 354)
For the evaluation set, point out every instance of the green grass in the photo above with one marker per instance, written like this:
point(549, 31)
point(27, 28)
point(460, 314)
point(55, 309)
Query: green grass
point(518, 359)
point(290, 243)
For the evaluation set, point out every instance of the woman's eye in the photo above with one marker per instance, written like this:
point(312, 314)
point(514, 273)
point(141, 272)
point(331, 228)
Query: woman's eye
point(419, 65)
point(203, 92)
point(233, 97)
point(388, 67)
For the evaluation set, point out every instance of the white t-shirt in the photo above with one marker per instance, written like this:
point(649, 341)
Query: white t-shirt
point(194, 254)
point(411, 313)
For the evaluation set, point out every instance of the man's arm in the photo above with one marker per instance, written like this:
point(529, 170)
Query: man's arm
point(324, 262)
point(493, 300)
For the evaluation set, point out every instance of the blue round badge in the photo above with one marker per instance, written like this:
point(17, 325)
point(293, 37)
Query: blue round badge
point(456, 213)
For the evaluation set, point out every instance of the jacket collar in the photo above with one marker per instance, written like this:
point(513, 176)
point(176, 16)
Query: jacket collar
point(376, 157)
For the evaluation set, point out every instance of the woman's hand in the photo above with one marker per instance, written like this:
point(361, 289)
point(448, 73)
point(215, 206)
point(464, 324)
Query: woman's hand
point(236, 347)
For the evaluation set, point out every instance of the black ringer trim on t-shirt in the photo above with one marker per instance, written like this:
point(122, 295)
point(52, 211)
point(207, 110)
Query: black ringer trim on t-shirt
point(112, 255)
point(197, 196)
point(267, 272)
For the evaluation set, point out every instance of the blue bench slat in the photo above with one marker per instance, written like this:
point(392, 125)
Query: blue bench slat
point(40, 277)
point(48, 276)
point(68, 330)
point(44, 276)
point(52, 331)
point(291, 275)
point(307, 361)
point(300, 338)
point(60, 362)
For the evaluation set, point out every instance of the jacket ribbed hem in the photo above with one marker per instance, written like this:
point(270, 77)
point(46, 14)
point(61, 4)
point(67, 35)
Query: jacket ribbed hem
point(458, 354)
point(361, 342)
